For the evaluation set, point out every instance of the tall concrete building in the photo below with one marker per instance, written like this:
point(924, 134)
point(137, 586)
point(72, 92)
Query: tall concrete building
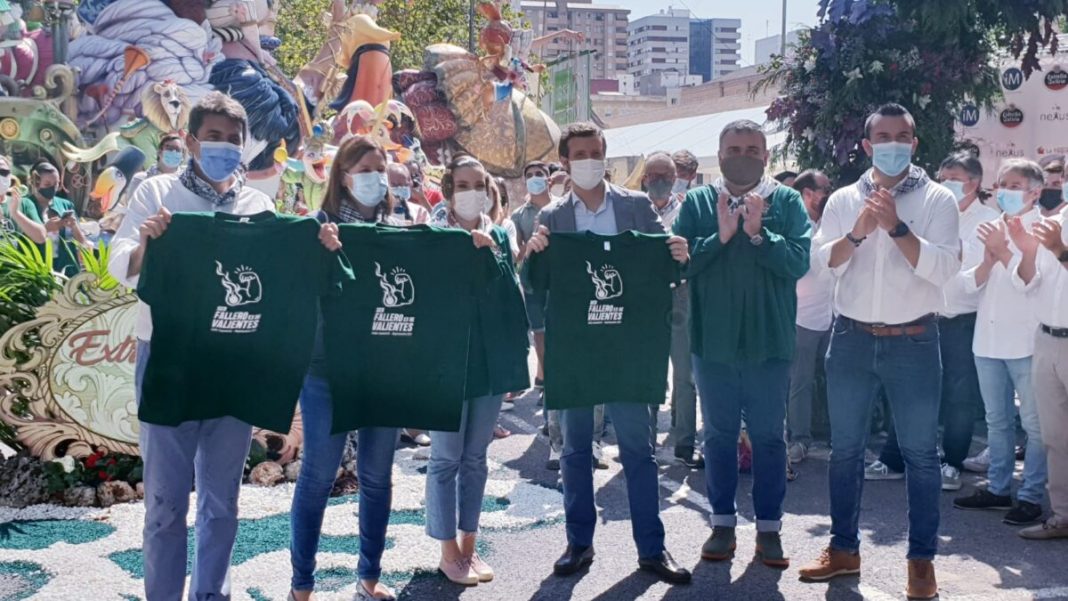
point(715, 47)
point(659, 42)
point(605, 28)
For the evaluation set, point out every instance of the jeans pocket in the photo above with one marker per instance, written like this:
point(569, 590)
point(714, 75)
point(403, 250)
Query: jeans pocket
point(928, 336)
point(842, 325)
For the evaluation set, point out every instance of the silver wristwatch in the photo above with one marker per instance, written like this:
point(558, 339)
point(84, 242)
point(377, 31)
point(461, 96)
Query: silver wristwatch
point(756, 240)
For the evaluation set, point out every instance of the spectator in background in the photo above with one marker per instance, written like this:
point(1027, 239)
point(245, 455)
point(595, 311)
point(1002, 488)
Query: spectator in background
point(525, 218)
point(400, 184)
point(170, 157)
point(53, 213)
point(1055, 193)
point(786, 178)
point(424, 193)
point(660, 180)
point(559, 181)
point(815, 295)
point(685, 173)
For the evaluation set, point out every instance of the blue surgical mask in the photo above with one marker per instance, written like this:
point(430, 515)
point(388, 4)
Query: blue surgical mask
point(402, 193)
point(891, 158)
point(172, 158)
point(537, 185)
point(369, 188)
point(1064, 192)
point(1011, 201)
point(957, 188)
point(219, 160)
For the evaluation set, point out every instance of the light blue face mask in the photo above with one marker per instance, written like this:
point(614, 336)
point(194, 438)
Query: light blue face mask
point(1064, 192)
point(219, 160)
point(1011, 201)
point(402, 193)
point(369, 188)
point(172, 158)
point(891, 158)
point(537, 185)
point(957, 188)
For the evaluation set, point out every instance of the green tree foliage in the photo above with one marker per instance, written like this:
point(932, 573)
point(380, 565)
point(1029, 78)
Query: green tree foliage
point(932, 57)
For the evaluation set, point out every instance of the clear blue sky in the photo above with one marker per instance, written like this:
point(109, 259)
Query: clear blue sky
point(760, 18)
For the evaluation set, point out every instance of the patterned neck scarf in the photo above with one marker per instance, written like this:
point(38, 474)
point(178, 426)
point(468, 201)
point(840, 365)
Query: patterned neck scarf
point(347, 212)
point(917, 178)
point(764, 189)
point(195, 184)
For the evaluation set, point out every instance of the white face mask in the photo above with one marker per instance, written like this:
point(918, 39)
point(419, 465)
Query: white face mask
point(468, 205)
point(557, 190)
point(587, 173)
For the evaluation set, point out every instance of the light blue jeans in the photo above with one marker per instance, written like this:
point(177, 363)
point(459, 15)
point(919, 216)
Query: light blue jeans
point(999, 379)
point(318, 470)
point(456, 476)
point(212, 453)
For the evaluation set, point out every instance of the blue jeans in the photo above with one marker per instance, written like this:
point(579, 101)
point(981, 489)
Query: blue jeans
point(456, 476)
point(999, 379)
point(318, 470)
point(212, 454)
point(909, 369)
point(635, 425)
point(760, 392)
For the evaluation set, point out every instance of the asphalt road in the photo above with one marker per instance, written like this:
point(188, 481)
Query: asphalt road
point(981, 558)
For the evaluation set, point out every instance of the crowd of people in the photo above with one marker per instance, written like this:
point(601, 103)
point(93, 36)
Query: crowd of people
point(938, 298)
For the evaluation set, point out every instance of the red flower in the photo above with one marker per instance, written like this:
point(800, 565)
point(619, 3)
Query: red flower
point(103, 476)
point(91, 460)
point(112, 461)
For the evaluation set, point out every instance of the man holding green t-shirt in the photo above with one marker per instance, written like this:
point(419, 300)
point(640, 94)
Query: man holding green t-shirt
point(211, 451)
point(749, 243)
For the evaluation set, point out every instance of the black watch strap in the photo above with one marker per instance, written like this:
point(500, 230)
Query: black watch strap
point(901, 229)
point(856, 241)
point(1063, 257)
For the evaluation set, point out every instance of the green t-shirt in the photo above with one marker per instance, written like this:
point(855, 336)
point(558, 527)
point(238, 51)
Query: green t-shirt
point(234, 308)
point(397, 338)
point(608, 320)
point(64, 248)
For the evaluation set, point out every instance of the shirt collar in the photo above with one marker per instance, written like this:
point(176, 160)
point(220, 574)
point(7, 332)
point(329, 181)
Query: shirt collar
point(669, 207)
point(197, 185)
point(577, 203)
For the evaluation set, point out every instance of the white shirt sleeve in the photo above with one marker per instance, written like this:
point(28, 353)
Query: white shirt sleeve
point(513, 235)
point(940, 245)
point(144, 204)
point(831, 230)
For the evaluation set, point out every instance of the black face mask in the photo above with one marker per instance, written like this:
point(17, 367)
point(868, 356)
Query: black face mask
point(47, 193)
point(1051, 198)
point(660, 189)
point(742, 171)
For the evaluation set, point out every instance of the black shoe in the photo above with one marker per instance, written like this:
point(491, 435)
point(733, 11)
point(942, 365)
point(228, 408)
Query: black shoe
point(690, 458)
point(553, 465)
point(665, 568)
point(573, 560)
point(983, 499)
point(1023, 513)
point(1021, 452)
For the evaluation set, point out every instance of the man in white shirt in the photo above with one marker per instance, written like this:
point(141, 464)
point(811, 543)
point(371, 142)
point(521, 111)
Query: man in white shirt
point(1044, 269)
point(815, 294)
point(893, 242)
point(962, 174)
point(1004, 342)
point(211, 452)
point(661, 180)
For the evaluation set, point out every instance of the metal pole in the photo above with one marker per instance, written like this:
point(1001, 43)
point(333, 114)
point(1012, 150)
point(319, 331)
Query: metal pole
point(471, 26)
point(783, 46)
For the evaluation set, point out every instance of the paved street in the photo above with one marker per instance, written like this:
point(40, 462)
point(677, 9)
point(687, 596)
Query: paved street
point(982, 559)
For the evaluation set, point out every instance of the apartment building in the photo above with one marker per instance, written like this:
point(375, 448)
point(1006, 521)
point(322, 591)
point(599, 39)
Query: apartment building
point(605, 28)
point(715, 47)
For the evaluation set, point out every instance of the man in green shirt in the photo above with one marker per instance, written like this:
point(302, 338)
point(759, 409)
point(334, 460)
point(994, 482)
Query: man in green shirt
point(749, 242)
point(44, 216)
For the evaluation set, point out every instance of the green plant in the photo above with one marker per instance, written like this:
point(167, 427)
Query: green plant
point(68, 472)
point(26, 279)
point(95, 261)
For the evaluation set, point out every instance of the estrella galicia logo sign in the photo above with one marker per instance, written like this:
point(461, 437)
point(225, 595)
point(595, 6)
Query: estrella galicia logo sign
point(969, 115)
point(1057, 78)
point(1012, 116)
point(1012, 79)
point(246, 290)
point(607, 282)
point(397, 287)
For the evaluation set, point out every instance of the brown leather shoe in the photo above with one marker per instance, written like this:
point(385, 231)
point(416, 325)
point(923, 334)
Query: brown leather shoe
point(831, 564)
point(922, 584)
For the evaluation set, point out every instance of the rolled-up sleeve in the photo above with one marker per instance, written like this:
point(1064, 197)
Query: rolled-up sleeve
point(143, 205)
point(940, 248)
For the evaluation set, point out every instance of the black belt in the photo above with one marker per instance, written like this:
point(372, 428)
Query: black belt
point(1055, 332)
point(913, 328)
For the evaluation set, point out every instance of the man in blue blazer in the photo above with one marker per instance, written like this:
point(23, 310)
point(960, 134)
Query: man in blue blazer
point(596, 206)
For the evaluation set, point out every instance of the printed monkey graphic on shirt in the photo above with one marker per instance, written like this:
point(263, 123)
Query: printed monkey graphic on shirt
point(608, 285)
point(398, 290)
point(241, 286)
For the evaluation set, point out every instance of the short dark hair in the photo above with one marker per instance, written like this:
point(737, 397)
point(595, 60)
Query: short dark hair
point(808, 180)
point(685, 161)
point(554, 167)
point(584, 129)
point(217, 103)
point(536, 165)
point(782, 176)
point(169, 138)
point(891, 109)
point(966, 161)
point(743, 126)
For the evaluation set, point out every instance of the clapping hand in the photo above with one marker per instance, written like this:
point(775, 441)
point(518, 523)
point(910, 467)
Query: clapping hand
point(1019, 235)
point(753, 212)
point(1048, 233)
point(883, 209)
point(994, 235)
point(728, 223)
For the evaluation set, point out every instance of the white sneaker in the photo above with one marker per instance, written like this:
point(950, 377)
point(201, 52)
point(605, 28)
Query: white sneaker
point(950, 477)
point(880, 471)
point(980, 463)
point(797, 451)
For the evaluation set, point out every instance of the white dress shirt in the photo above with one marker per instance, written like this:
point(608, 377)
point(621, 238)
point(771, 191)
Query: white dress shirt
point(1005, 326)
point(815, 294)
point(959, 299)
point(1049, 288)
point(877, 284)
point(152, 195)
